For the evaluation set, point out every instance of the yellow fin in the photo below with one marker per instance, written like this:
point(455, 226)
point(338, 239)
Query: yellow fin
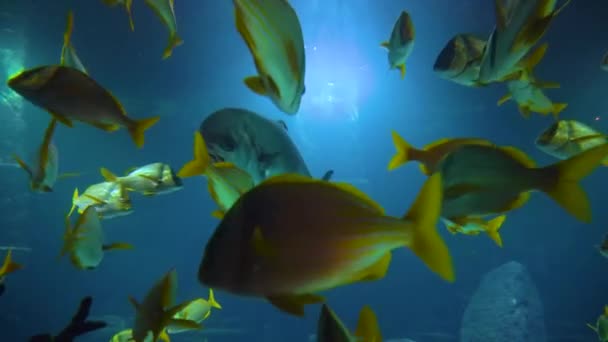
point(367, 326)
point(504, 99)
point(402, 70)
point(23, 165)
point(525, 111)
point(255, 84)
point(137, 129)
point(212, 300)
point(218, 214)
point(294, 304)
point(75, 197)
point(117, 246)
point(426, 242)
point(378, 270)
point(128, 4)
point(401, 156)
point(534, 29)
point(566, 175)
point(360, 195)
point(546, 84)
point(174, 41)
point(261, 246)
point(163, 334)
point(9, 266)
point(105, 126)
point(519, 156)
point(558, 108)
point(201, 161)
point(535, 57)
point(385, 44)
point(492, 228)
point(62, 119)
point(108, 175)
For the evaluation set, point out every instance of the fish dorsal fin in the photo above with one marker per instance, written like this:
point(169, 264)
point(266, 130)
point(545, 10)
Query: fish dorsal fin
point(519, 156)
point(436, 143)
point(385, 45)
point(108, 175)
point(131, 169)
point(367, 326)
point(360, 195)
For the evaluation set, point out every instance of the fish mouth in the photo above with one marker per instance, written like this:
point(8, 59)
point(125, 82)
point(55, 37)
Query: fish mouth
point(547, 135)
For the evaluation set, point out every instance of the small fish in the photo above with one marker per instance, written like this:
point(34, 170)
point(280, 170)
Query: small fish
point(567, 138)
point(520, 24)
point(527, 91)
point(459, 61)
point(430, 155)
point(401, 42)
point(331, 329)
point(165, 12)
point(8, 266)
point(198, 310)
point(78, 326)
point(69, 94)
point(603, 247)
point(271, 29)
point(604, 63)
point(69, 57)
point(476, 225)
point(226, 182)
point(44, 171)
point(485, 180)
point(156, 312)
point(126, 4)
point(148, 180)
point(298, 236)
point(85, 242)
point(601, 326)
point(109, 199)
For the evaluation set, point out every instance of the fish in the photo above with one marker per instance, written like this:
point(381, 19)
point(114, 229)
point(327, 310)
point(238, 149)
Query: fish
point(127, 5)
point(108, 198)
point(155, 313)
point(298, 236)
point(430, 155)
point(148, 180)
point(604, 62)
point(331, 329)
point(460, 59)
point(601, 326)
point(476, 225)
point(225, 182)
point(272, 32)
point(68, 52)
point(603, 247)
point(85, 241)
point(198, 310)
point(69, 94)
point(520, 24)
point(400, 43)
point(486, 180)
point(164, 10)
point(256, 145)
point(43, 173)
point(564, 139)
point(527, 90)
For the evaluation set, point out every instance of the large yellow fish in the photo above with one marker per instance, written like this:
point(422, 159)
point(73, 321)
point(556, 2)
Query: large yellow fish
point(601, 326)
point(430, 155)
point(331, 329)
point(484, 180)
point(198, 310)
point(527, 91)
point(109, 199)
point(297, 236)
point(271, 29)
point(68, 52)
point(459, 61)
point(149, 180)
point(85, 242)
point(567, 138)
point(156, 312)
point(476, 225)
point(165, 11)
point(225, 181)
point(401, 42)
point(520, 24)
point(69, 94)
point(126, 4)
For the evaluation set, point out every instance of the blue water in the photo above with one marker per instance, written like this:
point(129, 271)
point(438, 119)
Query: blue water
point(351, 104)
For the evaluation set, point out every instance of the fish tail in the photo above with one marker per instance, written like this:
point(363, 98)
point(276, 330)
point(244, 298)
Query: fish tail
point(402, 155)
point(137, 130)
point(201, 161)
point(492, 228)
point(108, 175)
point(558, 108)
point(212, 300)
point(9, 265)
point(174, 41)
point(426, 242)
point(128, 4)
point(565, 188)
point(367, 326)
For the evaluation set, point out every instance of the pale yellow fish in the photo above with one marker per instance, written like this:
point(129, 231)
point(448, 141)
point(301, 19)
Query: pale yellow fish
point(271, 29)
point(476, 225)
point(198, 310)
point(109, 199)
point(166, 13)
point(400, 43)
point(85, 242)
point(149, 180)
point(44, 171)
point(601, 326)
point(126, 4)
point(567, 138)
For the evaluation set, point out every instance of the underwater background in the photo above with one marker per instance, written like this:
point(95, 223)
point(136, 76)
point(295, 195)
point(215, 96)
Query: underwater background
point(352, 103)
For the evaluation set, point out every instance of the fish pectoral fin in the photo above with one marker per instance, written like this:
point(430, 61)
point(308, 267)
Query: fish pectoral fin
point(261, 246)
point(377, 271)
point(367, 326)
point(327, 175)
point(94, 198)
point(385, 44)
point(117, 246)
point(504, 99)
point(594, 328)
point(255, 84)
point(23, 165)
point(62, 119)
point(218, 214)
point(174, 41)
point(532, 32)
point(294, 304)
point(185, 324)
point(492, 228)
point(106, 127)
point(558, 108)
point(151, 179)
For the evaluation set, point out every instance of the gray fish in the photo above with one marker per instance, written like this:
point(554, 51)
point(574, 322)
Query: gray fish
point(259, 146)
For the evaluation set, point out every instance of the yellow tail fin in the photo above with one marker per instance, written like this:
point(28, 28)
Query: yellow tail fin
point(566, 175)
point(401, 156)
point(137, 130)
point(558, 108)
point(74, 199)
point(367, 327)
point(492, 228)
point(9, 266)
point(108, 175)
point(212, 300)
point(174, 41)
point(201, 161)
point(426, 242)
